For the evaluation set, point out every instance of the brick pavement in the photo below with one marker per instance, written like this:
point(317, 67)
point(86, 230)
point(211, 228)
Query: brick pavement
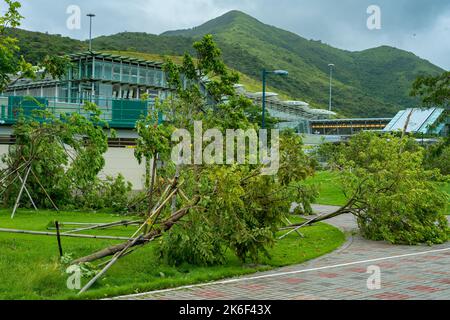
point(415, 273)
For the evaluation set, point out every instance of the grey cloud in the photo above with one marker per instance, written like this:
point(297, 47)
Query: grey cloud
point(420, 26)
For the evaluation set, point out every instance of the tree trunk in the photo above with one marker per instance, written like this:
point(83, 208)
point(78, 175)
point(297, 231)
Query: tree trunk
point(156, 233)
point(408, 120)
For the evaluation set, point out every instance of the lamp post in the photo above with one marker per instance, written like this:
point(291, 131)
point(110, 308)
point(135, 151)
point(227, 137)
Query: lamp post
point(264, 78)
point(90, 15)
point(331, 65)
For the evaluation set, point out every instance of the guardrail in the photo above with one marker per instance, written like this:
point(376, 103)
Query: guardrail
point(118, 113)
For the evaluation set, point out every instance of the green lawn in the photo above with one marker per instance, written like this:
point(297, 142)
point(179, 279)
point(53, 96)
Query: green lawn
point(331, 193)
point(30, 268)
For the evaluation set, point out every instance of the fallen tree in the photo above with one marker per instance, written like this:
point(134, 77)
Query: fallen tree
point(396, 198)
point(210, 209)
point(154, 234)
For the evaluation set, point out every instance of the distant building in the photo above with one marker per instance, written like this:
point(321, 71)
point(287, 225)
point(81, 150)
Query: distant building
point(424, 121)
point(115, 83)
point(347, 127)
point(291, 114)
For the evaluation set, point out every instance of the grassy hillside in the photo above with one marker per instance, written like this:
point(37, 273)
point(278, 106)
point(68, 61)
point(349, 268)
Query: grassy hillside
point(370, 83)
point(373, 82)
point(36, 45)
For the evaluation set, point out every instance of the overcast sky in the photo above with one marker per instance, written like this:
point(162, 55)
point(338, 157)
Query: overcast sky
point(420, 26)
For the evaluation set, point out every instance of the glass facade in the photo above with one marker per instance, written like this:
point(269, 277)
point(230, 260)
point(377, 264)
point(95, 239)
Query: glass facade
point(115, 83)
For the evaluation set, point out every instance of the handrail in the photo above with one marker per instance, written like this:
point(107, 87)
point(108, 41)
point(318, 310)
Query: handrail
point(120, 113)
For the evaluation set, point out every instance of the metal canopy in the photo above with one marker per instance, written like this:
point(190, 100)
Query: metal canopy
point(420, 120)
point(114, 57)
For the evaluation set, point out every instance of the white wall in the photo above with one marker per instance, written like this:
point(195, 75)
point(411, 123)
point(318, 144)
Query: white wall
point(3, 150)
point(118, 160)
point(122, 160)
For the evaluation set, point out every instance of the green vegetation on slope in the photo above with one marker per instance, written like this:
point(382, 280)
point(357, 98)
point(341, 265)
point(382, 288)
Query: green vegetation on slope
point(373, 82)
point(370, 83)
point(29, 266)
point(34, 46)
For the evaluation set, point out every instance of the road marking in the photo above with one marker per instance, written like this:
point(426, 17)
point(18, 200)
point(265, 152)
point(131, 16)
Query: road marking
point(279, 274)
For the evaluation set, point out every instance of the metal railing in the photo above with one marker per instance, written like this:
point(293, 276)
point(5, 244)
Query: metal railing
point(118, 113)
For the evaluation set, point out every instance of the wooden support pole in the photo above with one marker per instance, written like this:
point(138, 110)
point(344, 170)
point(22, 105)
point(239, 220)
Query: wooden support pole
point(6, 187)
point(52, 234)
point(14, 171)
point(110, 264)
point(104, 226)
point(45, 191)
point(19, 196)
point(152, 181)
point(301, 235)
point(158, 232)
point(29, 195)
point(58, 236)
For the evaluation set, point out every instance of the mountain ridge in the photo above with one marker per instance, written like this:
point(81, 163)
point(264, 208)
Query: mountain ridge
point(367, 83)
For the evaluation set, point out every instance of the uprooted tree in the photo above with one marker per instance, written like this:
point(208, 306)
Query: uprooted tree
point(392, 195)
point(216, 207)
point(64, 153)
point(60, 155)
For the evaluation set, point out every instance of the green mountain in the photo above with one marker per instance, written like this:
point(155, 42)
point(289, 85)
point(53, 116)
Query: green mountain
point(370, 83)
point(36, 45)
point(374, 82)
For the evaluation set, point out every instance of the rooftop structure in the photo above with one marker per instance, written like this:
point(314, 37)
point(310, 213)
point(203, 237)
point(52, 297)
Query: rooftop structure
point(292, 114)
point(99, 75)
point(425, 121)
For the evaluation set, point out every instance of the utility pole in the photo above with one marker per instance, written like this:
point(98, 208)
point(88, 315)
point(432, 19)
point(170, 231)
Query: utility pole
point(331, 84)
point(90, 15)
point(264, 80)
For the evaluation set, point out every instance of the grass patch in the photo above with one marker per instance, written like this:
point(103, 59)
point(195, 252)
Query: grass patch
point(329, 189)
point(331, 193)
point(30, 268)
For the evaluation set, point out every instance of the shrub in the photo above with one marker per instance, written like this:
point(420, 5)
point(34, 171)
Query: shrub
point(393, 196)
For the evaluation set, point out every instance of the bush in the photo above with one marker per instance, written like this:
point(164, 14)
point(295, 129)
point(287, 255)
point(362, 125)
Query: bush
point(393, 196)
point(112, 193)
point(438, 157)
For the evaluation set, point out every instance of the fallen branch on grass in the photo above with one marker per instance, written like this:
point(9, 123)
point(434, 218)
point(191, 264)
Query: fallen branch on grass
point(154, 234)
point(53, 234)
point(348, 208)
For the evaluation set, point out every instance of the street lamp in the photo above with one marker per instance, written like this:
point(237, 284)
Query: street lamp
point(90, 15)
point(331, 83)
point(265, 73)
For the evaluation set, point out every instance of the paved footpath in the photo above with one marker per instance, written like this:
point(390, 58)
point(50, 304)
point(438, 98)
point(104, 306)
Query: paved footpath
point(418, 272)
